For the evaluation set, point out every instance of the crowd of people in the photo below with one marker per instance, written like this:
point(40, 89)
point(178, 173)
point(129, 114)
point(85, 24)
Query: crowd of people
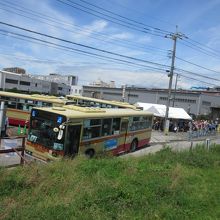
point(185, 125)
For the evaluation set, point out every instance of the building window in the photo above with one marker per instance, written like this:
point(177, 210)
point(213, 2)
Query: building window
point(206, 103)
point(163, 98)
point(12, 81)
point(112, 93)
point(60, 88)
point(133, 95)
point(180, 100)
point(35, 84)
point(24, 83)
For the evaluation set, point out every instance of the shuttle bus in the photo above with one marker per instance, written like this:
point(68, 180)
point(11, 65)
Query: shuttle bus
point(93, 102)
point(66, 131)
point(18, 106)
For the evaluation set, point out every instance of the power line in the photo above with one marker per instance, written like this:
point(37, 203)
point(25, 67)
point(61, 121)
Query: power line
point(202, 67)
point(138, 12)
point(197, 80)
point(48, 18)
point(124, 24)
point(126, 18)
point(79, 44)
point(198, 49)
point(205, 46)
point(197, 74)
point(111, 17)
point(203, 49)
point(86, 52)
point(107, 58)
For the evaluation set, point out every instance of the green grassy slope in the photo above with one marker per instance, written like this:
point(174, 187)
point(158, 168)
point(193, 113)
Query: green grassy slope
point(167, 185)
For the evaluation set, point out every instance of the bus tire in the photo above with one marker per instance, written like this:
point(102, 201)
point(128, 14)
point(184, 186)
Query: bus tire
point(134, 145)
point(90, 153)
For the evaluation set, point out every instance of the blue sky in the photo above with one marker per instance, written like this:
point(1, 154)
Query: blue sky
point(198, 20)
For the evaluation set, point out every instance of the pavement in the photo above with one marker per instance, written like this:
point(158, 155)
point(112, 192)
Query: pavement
point(176, 141)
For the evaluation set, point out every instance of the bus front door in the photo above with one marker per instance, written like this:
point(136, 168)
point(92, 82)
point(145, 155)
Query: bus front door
point(72, 140)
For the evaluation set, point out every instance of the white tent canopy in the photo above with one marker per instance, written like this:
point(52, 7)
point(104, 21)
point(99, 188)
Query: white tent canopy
point(160, 111)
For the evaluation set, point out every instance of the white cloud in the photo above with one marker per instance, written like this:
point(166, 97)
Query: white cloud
point(144, 39)
point(122, 36)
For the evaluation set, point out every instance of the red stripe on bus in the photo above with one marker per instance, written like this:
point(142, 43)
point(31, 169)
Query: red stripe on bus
point(126, 147)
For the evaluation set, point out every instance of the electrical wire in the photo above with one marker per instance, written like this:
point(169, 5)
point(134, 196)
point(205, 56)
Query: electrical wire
point(126, 18)
point(120, 61)
point(48, 18)
point(194, 64)
point(197, 74)
point(86, 52)
point(107, 19)
point(207, 83)
point(197, 49)
point(204, 46)
point(79, 44)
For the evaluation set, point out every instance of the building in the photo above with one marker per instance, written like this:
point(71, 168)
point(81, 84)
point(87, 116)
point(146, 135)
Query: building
point(194, 102)
point(15, 70)
point(100, 83)
point(67, 83)
point(28, 83)
point(76, 90)
point(70, 80)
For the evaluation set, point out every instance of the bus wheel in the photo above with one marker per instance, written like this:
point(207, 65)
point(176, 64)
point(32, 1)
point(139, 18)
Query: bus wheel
point(134, 145)
point(90, 153)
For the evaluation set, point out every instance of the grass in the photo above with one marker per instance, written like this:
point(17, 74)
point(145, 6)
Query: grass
point(166, 185)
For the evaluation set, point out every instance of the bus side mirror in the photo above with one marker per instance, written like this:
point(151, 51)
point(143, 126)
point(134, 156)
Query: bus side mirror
point(60, 135)
point(56, 130)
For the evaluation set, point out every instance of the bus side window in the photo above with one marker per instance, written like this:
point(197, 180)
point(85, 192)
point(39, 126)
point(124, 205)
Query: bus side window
point(25, 107)
point(92, 128)
point(147, 121)
point(20, 106)
point(11, 104)
point(106, 126)
point(116, 125)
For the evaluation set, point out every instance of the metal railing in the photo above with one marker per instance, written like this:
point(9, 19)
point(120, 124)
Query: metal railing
point(19, 150)
point(201, 133)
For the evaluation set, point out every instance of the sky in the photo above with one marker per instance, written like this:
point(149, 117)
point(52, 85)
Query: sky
point(125, 41)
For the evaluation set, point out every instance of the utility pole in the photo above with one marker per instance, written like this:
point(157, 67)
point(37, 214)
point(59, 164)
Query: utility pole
point(123, 92)
point(174, 96)
point(174, 37)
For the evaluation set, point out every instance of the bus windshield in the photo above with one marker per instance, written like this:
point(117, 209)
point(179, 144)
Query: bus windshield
point(42, 132)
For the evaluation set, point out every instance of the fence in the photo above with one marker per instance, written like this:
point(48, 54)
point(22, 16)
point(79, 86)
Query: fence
point(201, 133)
point(10, 148)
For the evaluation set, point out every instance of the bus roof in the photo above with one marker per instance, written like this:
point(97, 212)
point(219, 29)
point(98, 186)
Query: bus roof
point(71, 111)
point(108, 102)
point(36, 97)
